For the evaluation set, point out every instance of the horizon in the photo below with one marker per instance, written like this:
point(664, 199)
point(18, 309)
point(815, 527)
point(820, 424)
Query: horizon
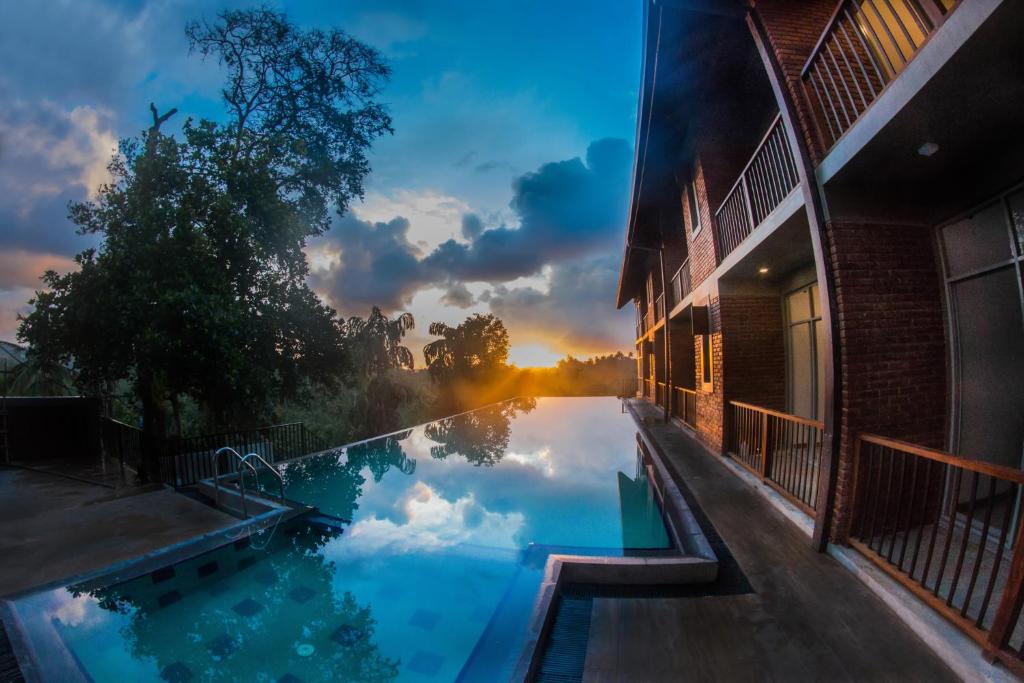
point(503, 189)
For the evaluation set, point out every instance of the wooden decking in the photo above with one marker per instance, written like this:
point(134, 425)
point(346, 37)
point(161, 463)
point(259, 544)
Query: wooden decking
point(807, 620)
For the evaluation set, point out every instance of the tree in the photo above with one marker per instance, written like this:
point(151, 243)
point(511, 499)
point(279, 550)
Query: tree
point(375, 343)
point(198, 287)
point(477, 349)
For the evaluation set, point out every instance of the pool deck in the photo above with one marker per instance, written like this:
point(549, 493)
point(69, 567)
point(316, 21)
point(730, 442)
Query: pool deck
point(53, 528)
point(808, 619)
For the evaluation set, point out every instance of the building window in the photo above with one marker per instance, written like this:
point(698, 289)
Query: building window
point(983, 262)
point(805, 361)
point(706, 374)
point(691, 202)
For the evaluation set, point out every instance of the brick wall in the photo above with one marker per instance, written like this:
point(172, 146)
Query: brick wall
point(710, 417)
point(892, 340)
point(702, 247)
point(793, 30)
point(754, 350)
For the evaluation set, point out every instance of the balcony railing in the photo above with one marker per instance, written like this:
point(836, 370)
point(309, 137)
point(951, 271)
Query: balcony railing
point(783, 450)
point(767, 179)
point(949, 529)
point(659, 308)
point(681, 284)
point(685, 406)
point(864, 47)
point(662, 394)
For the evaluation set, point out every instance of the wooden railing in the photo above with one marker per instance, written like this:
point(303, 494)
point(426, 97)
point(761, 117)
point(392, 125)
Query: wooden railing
point(661, 395)
point(949, 529)
point(862, 49)
point(685, 406)
point(783, 450)
point(681, 284)
point(767, 179)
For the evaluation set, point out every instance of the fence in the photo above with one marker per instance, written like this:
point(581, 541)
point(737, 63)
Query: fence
point(685, 407)
point(182, 461)
point(767, 179)
point(949, 529)
point(865, 45)
point(783, 450)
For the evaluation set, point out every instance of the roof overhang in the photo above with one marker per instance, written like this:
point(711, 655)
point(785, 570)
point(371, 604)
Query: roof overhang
point(677, 39)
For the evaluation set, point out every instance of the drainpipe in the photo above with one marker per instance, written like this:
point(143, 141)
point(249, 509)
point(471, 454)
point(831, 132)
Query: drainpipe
point(668, 345)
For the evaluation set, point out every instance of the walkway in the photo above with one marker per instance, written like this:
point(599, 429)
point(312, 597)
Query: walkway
point(808, 619)
point(53, 528)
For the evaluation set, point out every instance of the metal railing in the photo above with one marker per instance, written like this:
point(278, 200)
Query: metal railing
point(949, 529)
point(241, 462)
point(123, 443)
point(659, 308)
point(767, 179)
point(681, 283)
point(685, 407)
point(186, 460)
point(782, 449)
point(865, 45)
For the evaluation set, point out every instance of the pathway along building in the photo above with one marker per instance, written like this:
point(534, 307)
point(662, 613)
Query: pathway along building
point(824, 250)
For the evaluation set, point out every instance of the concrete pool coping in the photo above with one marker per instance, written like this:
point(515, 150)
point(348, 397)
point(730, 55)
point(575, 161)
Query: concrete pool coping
point(695, 563)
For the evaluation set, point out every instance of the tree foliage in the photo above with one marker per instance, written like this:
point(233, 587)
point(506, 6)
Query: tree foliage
point(198, 287)
point(476, 349)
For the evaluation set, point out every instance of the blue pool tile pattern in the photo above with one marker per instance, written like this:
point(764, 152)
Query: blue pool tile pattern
point(433, 579)
point(425, 663)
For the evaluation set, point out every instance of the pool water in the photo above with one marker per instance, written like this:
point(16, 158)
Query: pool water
point(431, 575)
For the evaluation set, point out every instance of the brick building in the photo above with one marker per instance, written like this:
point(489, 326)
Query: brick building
point(825, 251)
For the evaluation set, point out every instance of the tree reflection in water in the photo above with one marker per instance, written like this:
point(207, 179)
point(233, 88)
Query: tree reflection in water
point(334, 482)
point(480, 436)
point(252, 626)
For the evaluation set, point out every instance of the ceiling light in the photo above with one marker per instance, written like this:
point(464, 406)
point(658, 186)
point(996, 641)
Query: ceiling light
point(928, 149)
point(763, 270)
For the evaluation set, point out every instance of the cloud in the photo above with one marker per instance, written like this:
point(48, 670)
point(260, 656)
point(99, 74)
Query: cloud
point(49, 156)
point(565, 208)
point(458, 295)
point(574, 314)
point(22, 269)
point(570, 215)
point(428, 521)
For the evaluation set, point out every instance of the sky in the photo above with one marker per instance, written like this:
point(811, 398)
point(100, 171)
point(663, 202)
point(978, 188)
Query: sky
point(503, 190)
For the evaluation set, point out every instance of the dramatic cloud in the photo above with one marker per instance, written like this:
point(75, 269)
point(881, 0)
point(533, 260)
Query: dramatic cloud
point(575, 313)
point(565, 209)
point(49, 156)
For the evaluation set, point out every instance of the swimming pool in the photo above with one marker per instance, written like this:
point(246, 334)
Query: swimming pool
point(424, 566)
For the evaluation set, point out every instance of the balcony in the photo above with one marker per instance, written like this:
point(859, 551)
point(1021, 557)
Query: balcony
point(865, 46)
point(948, 529)
point(681, 284)
point(768, 178)
point(783, 450)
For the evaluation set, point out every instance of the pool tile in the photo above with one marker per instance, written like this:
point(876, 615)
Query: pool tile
point(248, 608)
point(425, 663)
point(205, 570)
point(301, 594)
point(268, 577)
point(289, 678)
point(176, 673)
point(168, 598)
point(222, 646)
point(425, 619)
point(218, 588)
point(242, 543)
point(346, 635)
point(246, 562)
point(162, 574)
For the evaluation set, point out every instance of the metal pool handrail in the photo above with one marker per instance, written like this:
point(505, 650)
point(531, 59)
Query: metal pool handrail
point(241, 479)
point(277, 474)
